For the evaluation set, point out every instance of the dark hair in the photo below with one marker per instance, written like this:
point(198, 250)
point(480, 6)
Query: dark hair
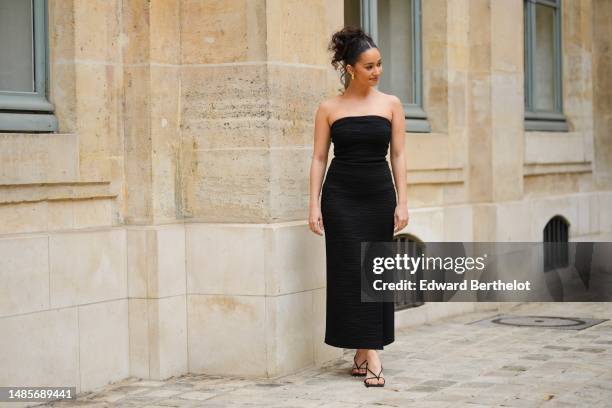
point(347, 45)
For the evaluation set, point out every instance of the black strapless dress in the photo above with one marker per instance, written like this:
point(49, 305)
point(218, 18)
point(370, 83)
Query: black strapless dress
point(358, 201)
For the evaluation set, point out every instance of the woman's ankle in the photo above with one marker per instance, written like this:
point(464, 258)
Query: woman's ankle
point(373, 358)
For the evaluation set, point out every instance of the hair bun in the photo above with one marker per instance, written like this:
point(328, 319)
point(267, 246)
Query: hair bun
point(347, 44)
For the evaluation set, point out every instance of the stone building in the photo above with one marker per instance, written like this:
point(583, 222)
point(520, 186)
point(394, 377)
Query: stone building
point(154, 163)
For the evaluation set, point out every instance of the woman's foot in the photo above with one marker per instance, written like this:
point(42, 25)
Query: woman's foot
point(359, 364)
point(374, 367)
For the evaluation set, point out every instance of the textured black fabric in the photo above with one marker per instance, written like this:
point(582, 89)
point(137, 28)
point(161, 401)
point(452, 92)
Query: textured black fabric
point(358, 202)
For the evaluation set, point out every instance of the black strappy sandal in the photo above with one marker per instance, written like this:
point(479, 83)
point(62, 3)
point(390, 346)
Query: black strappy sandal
point(378, 377)
point(358, 367)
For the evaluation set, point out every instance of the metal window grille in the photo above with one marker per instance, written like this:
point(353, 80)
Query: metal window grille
point(414, 248)
point(557, 255)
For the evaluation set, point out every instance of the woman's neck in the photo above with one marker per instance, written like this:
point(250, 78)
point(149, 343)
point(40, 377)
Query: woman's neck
point(359, 92)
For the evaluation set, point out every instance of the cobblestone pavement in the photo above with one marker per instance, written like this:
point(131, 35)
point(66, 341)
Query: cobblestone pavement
point(444, 364)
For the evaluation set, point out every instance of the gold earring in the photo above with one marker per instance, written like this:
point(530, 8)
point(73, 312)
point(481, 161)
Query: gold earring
point(352, 76)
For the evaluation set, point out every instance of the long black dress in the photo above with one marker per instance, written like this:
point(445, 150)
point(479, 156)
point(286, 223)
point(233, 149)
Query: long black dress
point(358, 202)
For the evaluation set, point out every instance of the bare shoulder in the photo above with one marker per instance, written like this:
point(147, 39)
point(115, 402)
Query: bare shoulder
point(392, 103)
point(329, 104)
point(327, 107)
point(392, 100)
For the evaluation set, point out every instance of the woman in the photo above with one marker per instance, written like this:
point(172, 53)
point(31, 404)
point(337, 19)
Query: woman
point(358, 199)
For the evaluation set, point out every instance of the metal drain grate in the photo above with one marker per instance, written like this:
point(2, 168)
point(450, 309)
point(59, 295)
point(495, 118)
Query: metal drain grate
point(547, 322)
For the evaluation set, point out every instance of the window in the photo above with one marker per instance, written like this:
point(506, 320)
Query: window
point(23, 67)
point(395, 26)
point(543, 76)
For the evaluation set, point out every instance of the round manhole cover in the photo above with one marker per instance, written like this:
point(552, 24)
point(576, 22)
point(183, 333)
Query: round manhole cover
point(538, 321)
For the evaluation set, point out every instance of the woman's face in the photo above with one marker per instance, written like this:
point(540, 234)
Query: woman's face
point(369, 67)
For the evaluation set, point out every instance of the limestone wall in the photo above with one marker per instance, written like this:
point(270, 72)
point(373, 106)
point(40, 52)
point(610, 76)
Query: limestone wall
point(601, 67)
point(568, 167)
point(167, 115)
point(73, 179)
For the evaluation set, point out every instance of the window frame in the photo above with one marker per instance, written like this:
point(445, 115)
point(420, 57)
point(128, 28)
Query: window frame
point(32, 111)
point(539, 120)
point(413, 111)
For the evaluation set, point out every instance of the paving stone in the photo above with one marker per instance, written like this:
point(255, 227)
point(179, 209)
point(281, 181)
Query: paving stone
point(444, 364)
point(538, 357)
point(475, 384)
point(450, 395)
point(438, 383)
point(161, 393)
point(423, 388)
point(425, 404)
point(591, 350)
point(514, 368)
point(516, 401)
point(483, 399)
point(149, 383)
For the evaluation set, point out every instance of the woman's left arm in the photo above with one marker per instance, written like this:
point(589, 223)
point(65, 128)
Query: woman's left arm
point(398, 162)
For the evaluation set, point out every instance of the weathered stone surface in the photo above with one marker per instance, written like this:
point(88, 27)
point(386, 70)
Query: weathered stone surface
point(164, 84)
point(447, 363)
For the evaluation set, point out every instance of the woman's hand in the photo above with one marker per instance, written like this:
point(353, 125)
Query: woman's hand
point(315, 220)
point(401, 217)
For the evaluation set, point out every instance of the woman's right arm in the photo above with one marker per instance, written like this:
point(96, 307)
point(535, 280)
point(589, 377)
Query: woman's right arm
point(317, 168)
